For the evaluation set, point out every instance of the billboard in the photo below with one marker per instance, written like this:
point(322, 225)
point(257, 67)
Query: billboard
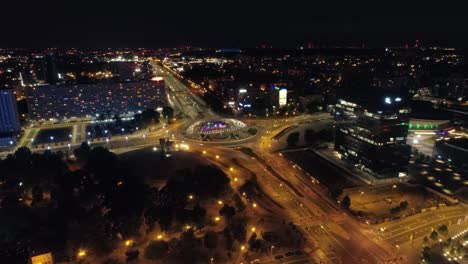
point(283, 97)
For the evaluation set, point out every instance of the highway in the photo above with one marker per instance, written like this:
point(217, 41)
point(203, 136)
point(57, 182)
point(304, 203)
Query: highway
point(181, 97)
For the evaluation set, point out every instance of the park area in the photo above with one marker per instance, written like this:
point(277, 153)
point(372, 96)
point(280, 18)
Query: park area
point(378, 203)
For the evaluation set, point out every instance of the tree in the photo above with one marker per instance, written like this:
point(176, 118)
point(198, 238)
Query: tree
point(239, 230)
point(346, 202)
point(118, 119)
point(149, 116)
point(168, 112)
point(403, 205)
point(426, 241)
point(443, 229)
point(23, 155)
point(434, 235)
point(82, 153)
point(210, 240)
point(112, 261)
point(293, 139)
point(227, 211)
point(335, 193)
point(238, 202)
point(228, 238)
point(426, 253)
point(37, 194)
point(313, 106)
point(156, 250)
point(198, 215)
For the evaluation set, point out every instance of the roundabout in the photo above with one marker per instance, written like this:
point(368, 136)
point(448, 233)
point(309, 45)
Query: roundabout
point(222, 130)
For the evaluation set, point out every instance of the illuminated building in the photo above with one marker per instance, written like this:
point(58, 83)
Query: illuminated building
point(454, 150)
point(9, 119)
point(371, 129)
point(89, 101)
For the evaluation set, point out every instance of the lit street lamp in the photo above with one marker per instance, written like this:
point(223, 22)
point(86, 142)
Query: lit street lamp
point(81, 253)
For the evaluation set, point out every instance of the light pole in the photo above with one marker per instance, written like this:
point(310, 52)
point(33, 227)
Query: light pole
point(271, 249)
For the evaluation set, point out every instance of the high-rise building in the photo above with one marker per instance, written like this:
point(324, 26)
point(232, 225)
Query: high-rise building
point(372, 126)
point(52, 73)
point(45, 68)
point(9, 117)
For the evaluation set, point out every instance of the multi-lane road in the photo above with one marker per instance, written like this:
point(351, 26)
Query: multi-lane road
point(333, 236)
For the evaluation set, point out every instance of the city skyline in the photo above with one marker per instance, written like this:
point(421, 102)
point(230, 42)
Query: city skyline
point(186, 132)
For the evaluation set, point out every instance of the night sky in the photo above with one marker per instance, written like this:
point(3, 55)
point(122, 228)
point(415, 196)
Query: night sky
point(286, 23)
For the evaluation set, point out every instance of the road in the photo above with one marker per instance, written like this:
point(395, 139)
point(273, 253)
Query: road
point(181, 97)
point(332, 236)
point(404, 230)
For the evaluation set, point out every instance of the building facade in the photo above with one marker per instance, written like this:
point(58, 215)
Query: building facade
point(9, 117)
point(371, 130)
point(65, 102)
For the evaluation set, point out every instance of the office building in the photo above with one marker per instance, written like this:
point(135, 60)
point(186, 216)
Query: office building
point(372, 127)
point(454, 151)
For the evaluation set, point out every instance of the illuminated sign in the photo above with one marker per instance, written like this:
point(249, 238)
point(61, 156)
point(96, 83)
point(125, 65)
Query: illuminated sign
point(283, 97)
point(242, 90)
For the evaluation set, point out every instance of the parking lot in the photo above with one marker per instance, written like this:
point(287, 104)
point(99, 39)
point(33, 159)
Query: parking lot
point(375, 203)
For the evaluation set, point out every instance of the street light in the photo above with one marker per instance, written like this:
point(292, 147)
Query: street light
point(128, 242)
point(81, 253)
